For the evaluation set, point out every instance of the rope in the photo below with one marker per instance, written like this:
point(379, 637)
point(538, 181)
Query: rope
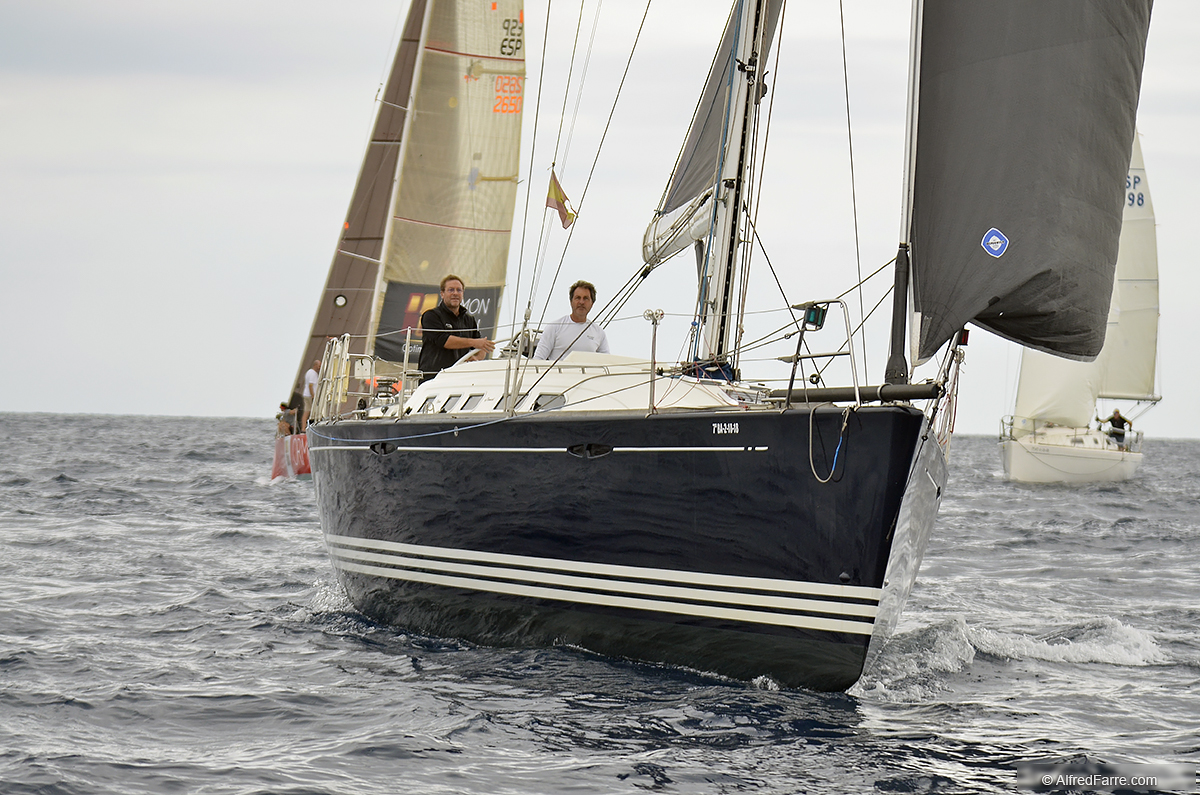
point(837, 451)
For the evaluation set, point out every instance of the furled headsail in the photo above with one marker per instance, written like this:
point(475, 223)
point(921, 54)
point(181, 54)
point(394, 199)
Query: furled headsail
point(684, 214)
point(1024, 130)
point(438, 185)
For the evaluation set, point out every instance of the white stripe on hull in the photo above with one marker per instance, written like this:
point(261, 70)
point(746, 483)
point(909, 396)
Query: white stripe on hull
point(511, 574)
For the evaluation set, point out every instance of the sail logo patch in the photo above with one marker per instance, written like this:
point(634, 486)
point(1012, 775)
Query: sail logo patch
point(994, 242)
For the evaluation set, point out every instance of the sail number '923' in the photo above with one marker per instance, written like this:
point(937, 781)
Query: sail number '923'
point(725, 427)
point(514, 38)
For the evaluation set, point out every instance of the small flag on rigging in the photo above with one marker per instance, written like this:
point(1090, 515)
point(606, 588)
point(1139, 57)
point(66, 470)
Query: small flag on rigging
point(558, 200)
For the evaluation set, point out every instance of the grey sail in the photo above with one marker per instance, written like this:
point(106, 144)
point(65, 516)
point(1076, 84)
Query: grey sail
point(1017, 200)
point(696, 168)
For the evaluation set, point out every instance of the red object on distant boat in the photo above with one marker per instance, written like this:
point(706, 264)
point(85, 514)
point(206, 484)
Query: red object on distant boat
point(291, 457)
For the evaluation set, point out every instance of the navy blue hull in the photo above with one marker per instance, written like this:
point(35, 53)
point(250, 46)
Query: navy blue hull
point(702, 539)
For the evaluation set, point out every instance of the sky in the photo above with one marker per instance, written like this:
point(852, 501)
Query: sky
point(173, 178)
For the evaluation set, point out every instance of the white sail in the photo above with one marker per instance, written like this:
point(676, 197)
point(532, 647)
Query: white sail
point(456, 185)
point(1130, 349)
point(1056, 390)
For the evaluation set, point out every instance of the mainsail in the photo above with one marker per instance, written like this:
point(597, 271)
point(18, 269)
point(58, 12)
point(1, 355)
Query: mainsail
point(1051, 390)
point(438, 185)
point(1015, 217)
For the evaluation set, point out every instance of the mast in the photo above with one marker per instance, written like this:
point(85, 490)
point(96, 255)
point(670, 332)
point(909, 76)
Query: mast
point(897, 365)
point(704, 203)
point(716, 308)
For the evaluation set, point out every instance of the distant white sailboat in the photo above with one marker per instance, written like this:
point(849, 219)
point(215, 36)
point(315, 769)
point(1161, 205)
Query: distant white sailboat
point(1049, 438)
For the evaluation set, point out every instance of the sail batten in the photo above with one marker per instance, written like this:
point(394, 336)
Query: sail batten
point(1028, 108)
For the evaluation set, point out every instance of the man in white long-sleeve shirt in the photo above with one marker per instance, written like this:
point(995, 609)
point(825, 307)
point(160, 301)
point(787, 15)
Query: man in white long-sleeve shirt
point(574, 332)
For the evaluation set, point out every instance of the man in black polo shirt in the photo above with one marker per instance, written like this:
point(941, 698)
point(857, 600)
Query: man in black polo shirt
point(449, 330)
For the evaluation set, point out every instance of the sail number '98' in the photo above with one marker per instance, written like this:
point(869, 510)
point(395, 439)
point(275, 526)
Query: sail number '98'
point(1135, 197)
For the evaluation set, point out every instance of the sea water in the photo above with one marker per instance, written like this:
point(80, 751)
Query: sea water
point(170, 623)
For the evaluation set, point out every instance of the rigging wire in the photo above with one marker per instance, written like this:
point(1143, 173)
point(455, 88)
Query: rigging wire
point(532, 152)
point(853, 193)
point(544, 230)
point(600, 146)
point(587, 60)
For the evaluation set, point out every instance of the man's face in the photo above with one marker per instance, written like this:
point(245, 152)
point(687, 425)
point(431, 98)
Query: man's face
point(581, 304)
point(452, 295)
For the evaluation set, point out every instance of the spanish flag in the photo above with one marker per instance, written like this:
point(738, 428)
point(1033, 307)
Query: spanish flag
point(558, 200)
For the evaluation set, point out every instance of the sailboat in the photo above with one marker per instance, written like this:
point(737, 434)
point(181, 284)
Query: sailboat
point(436, 190)
point(687, 513)
point(1049, 438)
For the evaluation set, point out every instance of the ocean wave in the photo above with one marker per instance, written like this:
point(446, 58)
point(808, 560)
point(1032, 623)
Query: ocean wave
point(1098, 640)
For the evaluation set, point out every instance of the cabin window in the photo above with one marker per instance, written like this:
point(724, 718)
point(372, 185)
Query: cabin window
point(451, 402)
point(548, 401)
point(472, 402)
point(427, 406)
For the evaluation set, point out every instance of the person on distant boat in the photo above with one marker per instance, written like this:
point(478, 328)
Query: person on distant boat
point(449, 330)
point(1117, 425)
point(286, 419)
point(310, 390)
point(573, 332)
